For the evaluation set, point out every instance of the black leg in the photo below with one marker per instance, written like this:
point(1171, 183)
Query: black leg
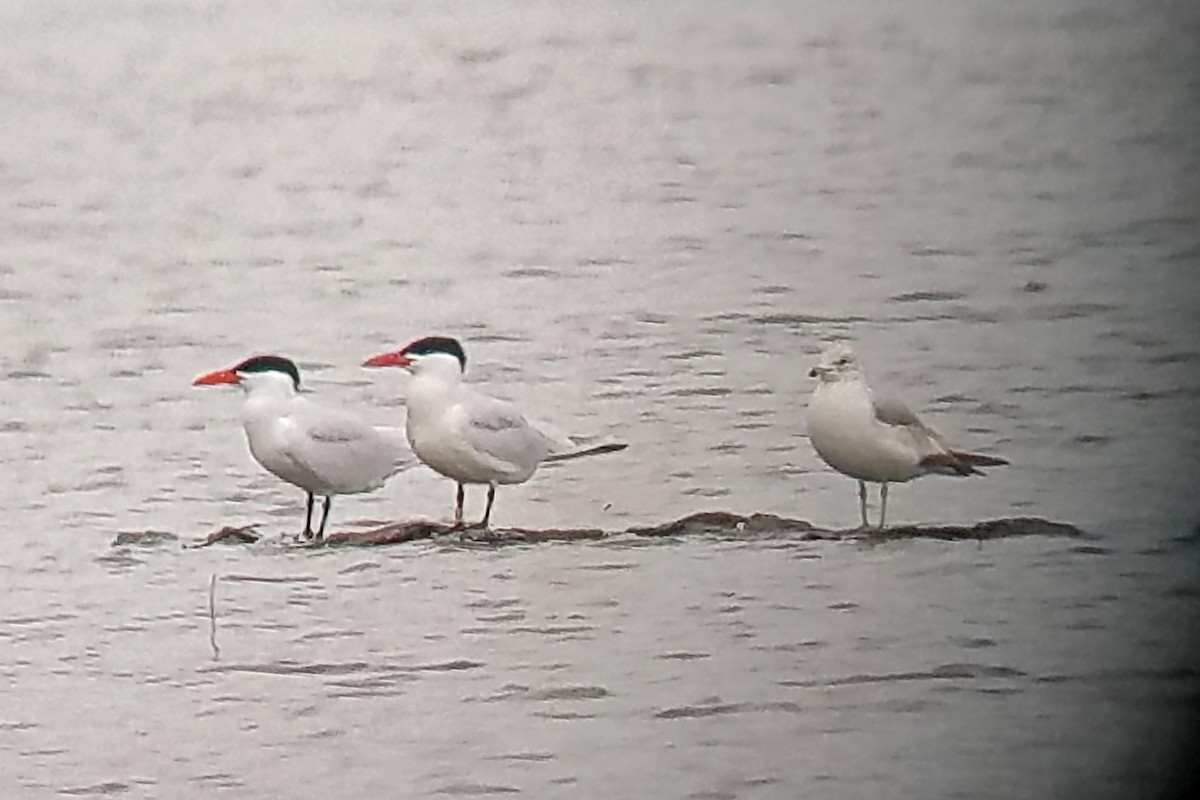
point(487, 512)
point(308, 518)
point(324, 517)
point(882, 505)
point(459, 498)
point(862, 503)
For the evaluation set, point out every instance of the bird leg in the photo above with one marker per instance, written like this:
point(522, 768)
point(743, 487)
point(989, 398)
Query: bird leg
point(862, 503)
point(459, 498)
point(882, 504)
point(308, 534)
point(487, 511)
point(324, 517)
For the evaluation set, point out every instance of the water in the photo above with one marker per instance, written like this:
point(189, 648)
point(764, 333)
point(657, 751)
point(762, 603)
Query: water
point(643, 221)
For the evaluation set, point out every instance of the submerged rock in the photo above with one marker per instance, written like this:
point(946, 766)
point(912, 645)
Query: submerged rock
point(988, 529)
point(391, 533)
point(144, 538)
point(243, 535)
point(725, 522)
point(703, 523)
point(409, 530)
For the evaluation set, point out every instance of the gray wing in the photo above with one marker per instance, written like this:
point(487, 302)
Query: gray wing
point(497, 418)
point(336, 430)
point(935, 453)
point(505, 417)
point(498, 430)
point(341, 451)
point(891, 410)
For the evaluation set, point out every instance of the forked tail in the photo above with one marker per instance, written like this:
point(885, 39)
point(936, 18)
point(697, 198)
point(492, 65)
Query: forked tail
point(611, 447)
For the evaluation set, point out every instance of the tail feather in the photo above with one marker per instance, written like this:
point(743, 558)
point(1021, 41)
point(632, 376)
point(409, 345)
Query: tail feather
point(611, 447)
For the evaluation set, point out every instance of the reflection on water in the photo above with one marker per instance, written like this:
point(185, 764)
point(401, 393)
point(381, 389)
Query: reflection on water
point(643, 221)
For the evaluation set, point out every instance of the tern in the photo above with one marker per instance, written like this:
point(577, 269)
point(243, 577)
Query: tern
point(875, 439)
point(467, 436)
point(320, 450)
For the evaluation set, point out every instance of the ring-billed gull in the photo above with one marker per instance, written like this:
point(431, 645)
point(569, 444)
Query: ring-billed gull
point(875, 439)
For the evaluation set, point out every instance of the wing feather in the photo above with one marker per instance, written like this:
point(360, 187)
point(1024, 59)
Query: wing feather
point(500, 433)
point(891, 410)
point(337, 452)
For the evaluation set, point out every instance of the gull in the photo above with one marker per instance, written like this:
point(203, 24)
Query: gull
point(875, 439)
point(321, 450)
point(468, 436)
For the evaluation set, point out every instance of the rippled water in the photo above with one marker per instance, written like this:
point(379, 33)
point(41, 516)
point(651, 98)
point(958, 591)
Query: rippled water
point(643, 220)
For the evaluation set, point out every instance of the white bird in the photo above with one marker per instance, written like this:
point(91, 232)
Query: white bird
point(321, 450)
point(465, 435)
point(876, 439)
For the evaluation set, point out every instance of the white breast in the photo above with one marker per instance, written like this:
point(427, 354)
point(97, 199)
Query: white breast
point(845, 433)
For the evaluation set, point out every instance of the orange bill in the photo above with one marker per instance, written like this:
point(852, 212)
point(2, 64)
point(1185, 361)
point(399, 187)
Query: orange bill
point(396, 359)
point(216, 378)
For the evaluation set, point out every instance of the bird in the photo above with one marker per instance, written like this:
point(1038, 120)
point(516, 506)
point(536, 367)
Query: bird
point(468, 436)
point(876, 439)
point(321, 450)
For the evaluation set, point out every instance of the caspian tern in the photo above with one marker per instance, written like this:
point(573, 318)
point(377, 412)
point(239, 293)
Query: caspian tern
point(876, 439)
point(321, 450)
point(465, 435)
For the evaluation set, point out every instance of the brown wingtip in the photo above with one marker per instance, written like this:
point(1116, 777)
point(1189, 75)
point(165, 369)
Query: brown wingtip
point(955, 462)
point(947, 464)
point(612, 447)
point(977, 460)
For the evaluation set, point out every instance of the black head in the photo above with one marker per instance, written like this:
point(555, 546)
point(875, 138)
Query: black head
point(271, 364)
point(437, 344)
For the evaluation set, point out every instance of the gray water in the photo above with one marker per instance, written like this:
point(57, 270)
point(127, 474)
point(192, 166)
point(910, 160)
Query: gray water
point(643, 220)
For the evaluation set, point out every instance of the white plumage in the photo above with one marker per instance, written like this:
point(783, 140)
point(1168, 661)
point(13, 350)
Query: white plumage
point(466, 435)
point(321, 450)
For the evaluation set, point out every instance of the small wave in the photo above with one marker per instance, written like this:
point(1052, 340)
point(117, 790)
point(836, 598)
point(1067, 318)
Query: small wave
point(476, 789)
point(106, 788)
point(924, 296)
point(713, 709)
